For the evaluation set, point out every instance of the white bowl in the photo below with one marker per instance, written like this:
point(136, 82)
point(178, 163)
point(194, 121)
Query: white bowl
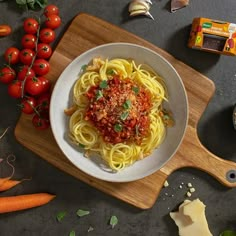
point(178, 103)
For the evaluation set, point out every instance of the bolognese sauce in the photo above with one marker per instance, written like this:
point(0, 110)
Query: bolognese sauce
point(119, 109)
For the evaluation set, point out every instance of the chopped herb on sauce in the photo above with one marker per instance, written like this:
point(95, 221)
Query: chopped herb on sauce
point(99, 94)
point(124, 115)
point(117, 127)
point(103, 84)
point(127, 104)
point(110, 72)
point(136, 90)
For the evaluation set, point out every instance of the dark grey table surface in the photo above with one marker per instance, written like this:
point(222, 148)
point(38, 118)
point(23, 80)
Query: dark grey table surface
point(170, 32)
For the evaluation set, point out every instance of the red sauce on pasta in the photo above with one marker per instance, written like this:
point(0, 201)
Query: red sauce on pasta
point(119, 109)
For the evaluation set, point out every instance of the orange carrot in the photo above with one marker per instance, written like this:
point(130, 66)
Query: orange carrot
point(22, 202)
point(3, 180)
point(8, 184)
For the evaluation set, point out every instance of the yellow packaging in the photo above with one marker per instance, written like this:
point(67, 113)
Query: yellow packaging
point(213, 36)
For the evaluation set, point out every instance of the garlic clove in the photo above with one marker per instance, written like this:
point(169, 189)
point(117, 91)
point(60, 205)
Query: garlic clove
point(141, 12)
point(134, 6)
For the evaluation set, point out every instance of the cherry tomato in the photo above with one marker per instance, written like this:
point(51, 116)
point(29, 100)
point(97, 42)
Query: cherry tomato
point(29, 41)
point(43, 101)
point(41, 66)
point(11, 55)
point(51, 10)
point(33, 86)
point(25, 73)
point(7, 75)
point(41, 120)
point(46, 83)
point(47, 35)
point(53, 21)
point(15, 89)
point(26, 56)
point(31, 26)
point(28, 105)
point(44, 51)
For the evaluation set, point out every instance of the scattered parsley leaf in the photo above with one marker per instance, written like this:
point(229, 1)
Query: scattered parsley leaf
point(103, 84)
point(99, 94)
point(81, 145)
point(72, 233)
point(110, 72)
point(228, 233)
point(113, 221)
point(136, 90)
point(82, 213)
point(127, 104)
point(60, 216)
point(83, 68)
point(117, 127)
point(124, 115)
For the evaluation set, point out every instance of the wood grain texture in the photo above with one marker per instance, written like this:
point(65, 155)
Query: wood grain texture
point(85, 32)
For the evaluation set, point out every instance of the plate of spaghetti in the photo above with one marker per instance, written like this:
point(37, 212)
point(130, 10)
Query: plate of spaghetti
point(119, 112)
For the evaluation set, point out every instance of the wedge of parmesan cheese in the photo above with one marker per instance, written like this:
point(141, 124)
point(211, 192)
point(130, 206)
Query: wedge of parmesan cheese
point(191, 219)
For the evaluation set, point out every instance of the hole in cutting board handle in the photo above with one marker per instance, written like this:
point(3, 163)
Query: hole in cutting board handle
point(231, 176)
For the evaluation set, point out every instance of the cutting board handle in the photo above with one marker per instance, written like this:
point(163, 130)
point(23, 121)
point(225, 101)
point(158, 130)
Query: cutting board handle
point(193, 154)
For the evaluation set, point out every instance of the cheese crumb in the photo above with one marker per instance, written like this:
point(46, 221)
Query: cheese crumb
point(189, 194)
point(166, 184)
point(191, 219)
point(192, 190)
point(190, 185)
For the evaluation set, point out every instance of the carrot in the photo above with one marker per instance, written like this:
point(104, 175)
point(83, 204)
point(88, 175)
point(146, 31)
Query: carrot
point(7, 183)
point(22, 202)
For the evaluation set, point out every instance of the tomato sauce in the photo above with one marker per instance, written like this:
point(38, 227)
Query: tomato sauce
point(119, 109)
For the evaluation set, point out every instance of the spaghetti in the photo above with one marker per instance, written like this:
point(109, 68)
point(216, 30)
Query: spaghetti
point(117, 111)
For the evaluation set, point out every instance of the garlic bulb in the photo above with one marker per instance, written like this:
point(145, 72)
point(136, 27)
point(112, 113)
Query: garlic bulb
point(140, 7)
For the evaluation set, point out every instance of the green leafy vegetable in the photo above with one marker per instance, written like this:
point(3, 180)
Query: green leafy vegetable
point(127, 104)
point(136, 90)
point(81, 145)
point(60, 216)
point(72, 233)
point(117, 127)
point(124, 115)
point(228, 233)
point(113, 221)
point(32, 4)
point(103, 84)
point(82, 213)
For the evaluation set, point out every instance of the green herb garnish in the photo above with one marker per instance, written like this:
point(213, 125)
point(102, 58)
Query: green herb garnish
point(103, 84)
point(113, 221)
point(117, 127)
point(72, 233)
point(124, 115)
point(110, 72)
point(81, 145)
point(228, 233)
point(82, 213)
point(99, 94)
point(83, 68)
point(127, 104)
point(32, 4)
point(60, 216)
point(136, 90)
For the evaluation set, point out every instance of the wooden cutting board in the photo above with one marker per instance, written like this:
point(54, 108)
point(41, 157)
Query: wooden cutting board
point(86, 32)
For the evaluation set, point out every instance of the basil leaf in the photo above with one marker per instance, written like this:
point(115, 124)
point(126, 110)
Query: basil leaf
point(113, 221)
point(127, 104)
point(21, 2)
point(103, 84)
point(228, 233)
point(60, 216)
point(136, 90)
point(41, 3)
point(82, 213)
point(72, 233)
point(117, 127)
point(83, 68)
point(124, 115)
